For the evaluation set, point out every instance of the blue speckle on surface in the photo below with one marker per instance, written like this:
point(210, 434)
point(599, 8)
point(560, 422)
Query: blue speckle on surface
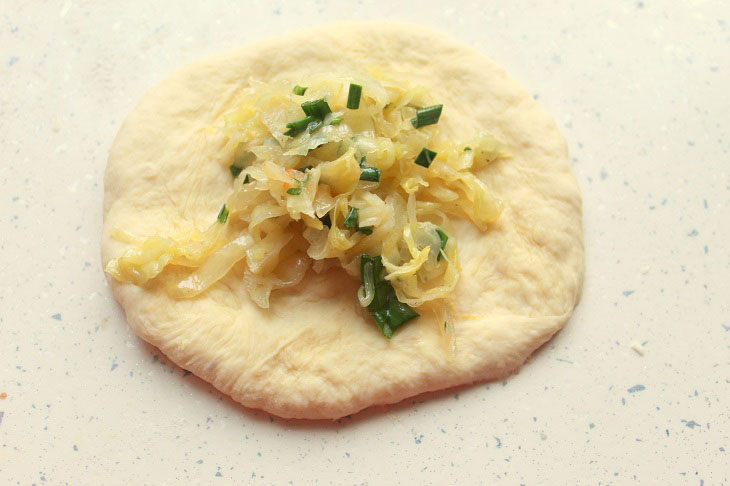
point(591, 425)
point(636, 388)
point(76, 448)
point(114, 366)
point(499, 442)
point(13, 60)
point(691, 424)
point(418, 439)
point(218, 474)
point(693, 233)
point(56, 316)
point(627, 292)
point(1, 417)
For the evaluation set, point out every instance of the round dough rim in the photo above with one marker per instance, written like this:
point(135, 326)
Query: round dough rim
point(489, 351)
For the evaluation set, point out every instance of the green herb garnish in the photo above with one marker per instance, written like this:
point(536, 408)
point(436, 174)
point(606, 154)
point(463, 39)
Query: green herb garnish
point(247, 179)
point(351, 218)
point(351, 221)
point(316, 108)
point(369, 174)
point(304, 169)
point(299, 90)
point(466, 149)
point(427, 116)
point(336, 121)
point(425, 158)
point(297, 127)
point(444, 238)
point(235, 171)
point(294, 191)
point(353, 96)
point(223, 215)
point(388, 312)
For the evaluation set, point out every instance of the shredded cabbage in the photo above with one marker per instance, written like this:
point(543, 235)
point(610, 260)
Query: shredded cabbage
point(297, 199)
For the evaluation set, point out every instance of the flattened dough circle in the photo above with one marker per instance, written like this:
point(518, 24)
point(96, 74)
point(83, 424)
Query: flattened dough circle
point(313, 354)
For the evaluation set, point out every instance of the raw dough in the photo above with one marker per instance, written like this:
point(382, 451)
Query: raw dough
point(313, 354)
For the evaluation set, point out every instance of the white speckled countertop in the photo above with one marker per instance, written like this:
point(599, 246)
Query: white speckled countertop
point(636, 389)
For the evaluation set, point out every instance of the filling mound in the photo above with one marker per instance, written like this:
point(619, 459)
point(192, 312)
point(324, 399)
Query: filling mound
point(338, 170)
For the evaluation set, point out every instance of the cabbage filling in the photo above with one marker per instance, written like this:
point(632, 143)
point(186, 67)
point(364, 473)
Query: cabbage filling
point(340, 170)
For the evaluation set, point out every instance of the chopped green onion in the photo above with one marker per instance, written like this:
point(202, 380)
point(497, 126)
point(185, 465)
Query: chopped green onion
point(427, 116)
point(351, 218)
point(235, 171)
point(316, 108)
point(353, 96)
point(370, 174)
point(466, 149)
point(376, 268)
point(394, 316)
point(294, 191)
point(299, 90)
point(444, 238)
point(336, 120)
point(314, 125)
point(297, 127)
point(223, 215)
point(304, 169)
point(388, 312)
point(247, 179)
point(425, 158)
point(351, 221)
